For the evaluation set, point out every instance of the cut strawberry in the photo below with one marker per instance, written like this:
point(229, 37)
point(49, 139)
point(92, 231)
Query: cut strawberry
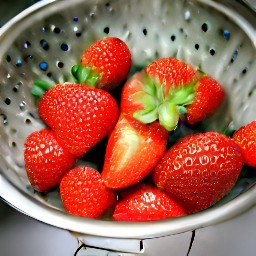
point(133, 149)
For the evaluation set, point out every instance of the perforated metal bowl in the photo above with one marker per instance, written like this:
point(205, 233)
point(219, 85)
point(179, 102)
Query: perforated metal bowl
point(46, 40)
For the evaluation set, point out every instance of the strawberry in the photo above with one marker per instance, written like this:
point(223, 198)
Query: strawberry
point(84, 194)
point(208, 97)
point(245, 137)
point(46, 159)
point(105, 64)
point(147, 203)
point(133, 149)
point(80, 115)
point(169, 89)
point(199, 169)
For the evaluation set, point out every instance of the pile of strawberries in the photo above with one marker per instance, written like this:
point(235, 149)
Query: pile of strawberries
point(141, 179)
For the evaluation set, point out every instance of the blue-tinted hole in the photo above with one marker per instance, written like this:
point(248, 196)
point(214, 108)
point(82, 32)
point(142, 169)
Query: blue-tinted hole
point(19, 63)
point(226, 34)
point(235, 54)
point(75, 19)
point(44, 45)
point(64, 47)
point(43, 65)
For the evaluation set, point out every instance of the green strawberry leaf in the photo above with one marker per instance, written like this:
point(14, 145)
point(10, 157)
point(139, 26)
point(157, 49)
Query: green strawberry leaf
point(168, 115)
point(85, 75)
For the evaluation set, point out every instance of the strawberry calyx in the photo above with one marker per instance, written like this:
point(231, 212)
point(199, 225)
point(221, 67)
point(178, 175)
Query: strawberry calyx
point(40, 87)
point(85, 75)
point(168, 107)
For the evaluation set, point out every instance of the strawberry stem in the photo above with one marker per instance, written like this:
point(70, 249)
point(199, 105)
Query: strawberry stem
point(40, 87)
point(85, 75)
point(168, 109)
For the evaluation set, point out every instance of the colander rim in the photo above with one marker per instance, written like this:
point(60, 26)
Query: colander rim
point(32, 207)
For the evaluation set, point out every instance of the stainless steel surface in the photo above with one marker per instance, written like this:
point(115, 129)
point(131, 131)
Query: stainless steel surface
point(178, 244)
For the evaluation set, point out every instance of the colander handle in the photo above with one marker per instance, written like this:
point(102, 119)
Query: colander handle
point(103, 246)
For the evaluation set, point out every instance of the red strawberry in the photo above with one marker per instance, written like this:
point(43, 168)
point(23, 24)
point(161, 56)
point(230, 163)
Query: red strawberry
point(169, 89)
point(145, 204)
point(80, 115)
point(84, 194)
point(46, 159)
point(105, 64)
point(133, 149)
point(199, 169)
point(245, 137)
point(209, 95)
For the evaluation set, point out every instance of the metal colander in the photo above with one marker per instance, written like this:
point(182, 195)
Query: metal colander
point(46, 40)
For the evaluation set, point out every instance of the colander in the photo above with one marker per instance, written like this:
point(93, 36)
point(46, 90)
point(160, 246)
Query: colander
point(46, 40)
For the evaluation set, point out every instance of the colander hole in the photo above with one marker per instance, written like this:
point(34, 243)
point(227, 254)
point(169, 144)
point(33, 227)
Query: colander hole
point(13, 131)
point(212, 51)
point(204, 27)
point(78, 34)
point(64, 47)
point(187, 15)
point(4, 119)
point(27, 44)
point(173, 37)
point(234, 56)
point(60, 64)
point(56, 30)
point(14, 145)
point(145, 31)
point(7, 101)
point(49, 74)
point(28, 57)
point(43, 65)
point(28, 121)
point(75, 19)
point(244, 71)
point(19, 63)
point(8, 58)
point(197, 46)
point(44, 45)
point(106, 30)
point(22, 105)
point(226, 34)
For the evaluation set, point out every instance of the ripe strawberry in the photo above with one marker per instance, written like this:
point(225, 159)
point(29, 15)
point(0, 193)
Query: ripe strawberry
point(84, 194)
point(209, 95)
point(168, 90)
point(105, 64)
point(145, 204)
point(245, 137)
point(199, 170)
point(133, 149)
point(80, 115)
point(46, 159)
